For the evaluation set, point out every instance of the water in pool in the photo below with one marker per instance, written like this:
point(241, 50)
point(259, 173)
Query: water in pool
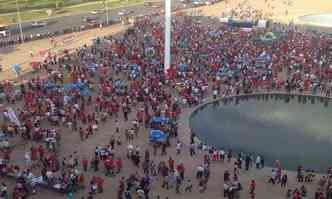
point(324, 19)
point(292, 132)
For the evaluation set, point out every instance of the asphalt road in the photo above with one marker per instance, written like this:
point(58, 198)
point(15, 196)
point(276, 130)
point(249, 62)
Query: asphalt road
point(64, 22)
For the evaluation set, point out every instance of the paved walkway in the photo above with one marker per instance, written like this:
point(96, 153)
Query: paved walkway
point(71, 142)
point(21, 53)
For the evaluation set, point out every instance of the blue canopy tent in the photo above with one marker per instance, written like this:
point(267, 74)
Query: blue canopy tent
point(240, 24)
point(263, 58)
point(134, 70)
point(157, 136)
point(159, 119)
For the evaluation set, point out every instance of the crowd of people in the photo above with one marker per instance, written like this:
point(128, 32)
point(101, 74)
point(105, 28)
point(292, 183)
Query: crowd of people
point(121, 78)
point(244, 11)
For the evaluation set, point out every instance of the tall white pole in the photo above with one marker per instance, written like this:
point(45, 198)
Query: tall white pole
point(167, 56)
point(107, 14)
point(19, 20)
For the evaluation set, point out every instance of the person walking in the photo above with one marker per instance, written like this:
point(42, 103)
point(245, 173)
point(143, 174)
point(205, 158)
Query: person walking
point(284, 180)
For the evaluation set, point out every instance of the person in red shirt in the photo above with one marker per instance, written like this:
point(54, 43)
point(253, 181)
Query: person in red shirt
point(171, 164)
point(118, 163)
point(180, 169)
point(100, 184)
point(41, 152)
point(85, 164)
point(296, 194)
point(252, 187)
point(121, 187)
point(34, 153)
point(80, 180)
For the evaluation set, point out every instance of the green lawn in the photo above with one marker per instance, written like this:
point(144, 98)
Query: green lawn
point(8, 6)
point(36, 9)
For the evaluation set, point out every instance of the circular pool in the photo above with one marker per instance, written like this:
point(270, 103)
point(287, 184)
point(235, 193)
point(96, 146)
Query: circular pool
point(297, 130)
point(324, 20)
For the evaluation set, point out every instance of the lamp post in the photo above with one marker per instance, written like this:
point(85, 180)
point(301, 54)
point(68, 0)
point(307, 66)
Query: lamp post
point(167, 56)
point(19, 21)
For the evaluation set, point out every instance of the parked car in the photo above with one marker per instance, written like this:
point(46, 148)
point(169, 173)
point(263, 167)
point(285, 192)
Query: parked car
point(4, 31)
point(39, 24)
point(89, 19)
point(185, 1)
point(125, 12)
point(199, 3)
point(94, 12)
point(209, 2)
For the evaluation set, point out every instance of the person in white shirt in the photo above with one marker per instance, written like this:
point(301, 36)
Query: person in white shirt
point(27, 158)
point(258, 161)
point(222, 155)
point(178, 147)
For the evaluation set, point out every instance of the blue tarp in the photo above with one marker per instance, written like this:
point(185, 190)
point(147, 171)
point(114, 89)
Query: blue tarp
point(83, 90)
point(240, 24)
point(263, 58)
point(155, 62)
point(157, 135)
point(50, 85)
point(134, 70)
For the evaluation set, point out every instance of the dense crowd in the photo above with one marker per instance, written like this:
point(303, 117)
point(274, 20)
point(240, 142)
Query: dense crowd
point(121, 78)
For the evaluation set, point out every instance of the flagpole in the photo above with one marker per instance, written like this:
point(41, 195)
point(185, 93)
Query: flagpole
point(19, 20)
point(107, 13)
point(167, 56)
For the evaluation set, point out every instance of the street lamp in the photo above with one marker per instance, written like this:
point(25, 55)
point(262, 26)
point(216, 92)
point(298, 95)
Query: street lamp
point(167, 56)
point(19, 21)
